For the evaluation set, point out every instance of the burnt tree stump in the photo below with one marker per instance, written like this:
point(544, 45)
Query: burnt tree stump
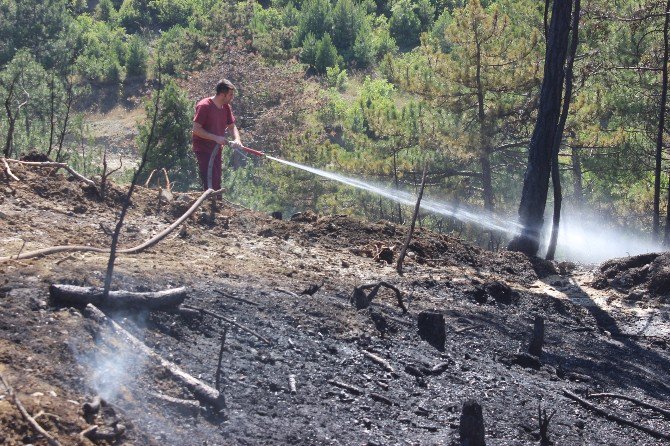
point(471, 428)
point(432, 328)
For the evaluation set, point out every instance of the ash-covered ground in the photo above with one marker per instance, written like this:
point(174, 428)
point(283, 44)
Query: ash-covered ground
point(291, 282)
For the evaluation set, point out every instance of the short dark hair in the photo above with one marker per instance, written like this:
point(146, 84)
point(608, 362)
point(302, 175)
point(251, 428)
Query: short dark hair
point(224, 86)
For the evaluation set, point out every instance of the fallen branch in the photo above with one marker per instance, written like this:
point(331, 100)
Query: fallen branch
point(9, 172)
point(613, 417)
point(361, 300)
point(239, 299)
point(348, 387)
point(230, 321)
point(200, 390)
point(379, 360)
point(134, 250)
point(665, 412)
point(382, 399)
point(34, 424)
point(469, 327)
point(193, 404)
point(156, 300)
point(290, 293)
point(53, 164)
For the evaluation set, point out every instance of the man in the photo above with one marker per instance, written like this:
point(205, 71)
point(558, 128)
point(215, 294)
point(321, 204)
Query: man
point(213, 118)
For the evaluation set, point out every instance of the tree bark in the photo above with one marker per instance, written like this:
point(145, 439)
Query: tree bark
point(536, 179)
point(555, 171)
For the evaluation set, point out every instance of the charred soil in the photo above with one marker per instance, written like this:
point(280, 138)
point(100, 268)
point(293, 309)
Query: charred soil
point(317, 382)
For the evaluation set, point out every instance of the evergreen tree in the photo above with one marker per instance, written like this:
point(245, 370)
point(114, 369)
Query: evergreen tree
point(171, 149)
point(326, 54)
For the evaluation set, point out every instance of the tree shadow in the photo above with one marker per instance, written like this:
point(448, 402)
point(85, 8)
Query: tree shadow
point(621, 359)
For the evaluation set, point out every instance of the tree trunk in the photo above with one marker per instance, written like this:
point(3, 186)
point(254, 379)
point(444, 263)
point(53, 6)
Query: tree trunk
point(536, 179)
point(555, 171)
point(578, 193)
point(659, 138)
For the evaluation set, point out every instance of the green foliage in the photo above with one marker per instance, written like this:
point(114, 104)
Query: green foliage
point(105, 11)
point(316, 18)
point(103, 51)
point(336, 78)
point(326, 54)
point(179, 48)
point(309, 47)
point(172, 12)
point(138, 56)
point(405, 23)
point(171, 149)
point(43, 27)
point(134, 15)
point(24, 93)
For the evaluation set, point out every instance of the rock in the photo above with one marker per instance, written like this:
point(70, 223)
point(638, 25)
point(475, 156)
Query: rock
point(277, 215)
point(432, 328)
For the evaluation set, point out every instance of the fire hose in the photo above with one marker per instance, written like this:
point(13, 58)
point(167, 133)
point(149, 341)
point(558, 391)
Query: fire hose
point(241, 149)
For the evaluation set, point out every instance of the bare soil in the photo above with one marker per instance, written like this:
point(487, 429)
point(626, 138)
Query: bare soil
point(291, 281)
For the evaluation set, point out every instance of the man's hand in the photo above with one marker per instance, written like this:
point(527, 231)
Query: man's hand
point(236, 144)
point(221, 140)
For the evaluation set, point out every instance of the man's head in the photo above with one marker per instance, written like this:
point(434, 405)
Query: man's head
point(225, 90)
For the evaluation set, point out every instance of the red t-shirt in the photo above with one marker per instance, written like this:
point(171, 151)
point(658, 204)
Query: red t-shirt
point(213, 119)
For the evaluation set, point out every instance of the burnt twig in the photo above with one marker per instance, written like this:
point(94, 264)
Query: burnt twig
point(239, 299)
point(614, 417)
point(362, 300)
point(218, 367)
point(544, 420)
point(403, 251)
point(34, 424)
point(230, 321)
point(665, 412)
point(348, 387)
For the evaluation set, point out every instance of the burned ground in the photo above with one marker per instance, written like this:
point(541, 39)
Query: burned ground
point(252, 268)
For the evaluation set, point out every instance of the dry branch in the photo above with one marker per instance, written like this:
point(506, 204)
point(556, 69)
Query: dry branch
point(379, 360)
point(134, 250)
point(34, 424)
point(53, 164)
point(613, 417)
point(193, 404)
point(403, 251)
point(658, 409)
point(230, 321)
point(382, 399)
point(9, 172)
point(239, 299)
point(348, 387)
point(200, 390)
point(217, 377)
point(156, 300)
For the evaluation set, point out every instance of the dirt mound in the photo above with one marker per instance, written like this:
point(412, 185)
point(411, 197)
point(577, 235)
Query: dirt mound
point(642, 275)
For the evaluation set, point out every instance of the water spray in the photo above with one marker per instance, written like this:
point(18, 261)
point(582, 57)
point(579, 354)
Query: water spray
point(578, 240)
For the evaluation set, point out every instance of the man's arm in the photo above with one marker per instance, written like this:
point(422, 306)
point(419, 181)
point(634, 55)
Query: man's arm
point(198, 130)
